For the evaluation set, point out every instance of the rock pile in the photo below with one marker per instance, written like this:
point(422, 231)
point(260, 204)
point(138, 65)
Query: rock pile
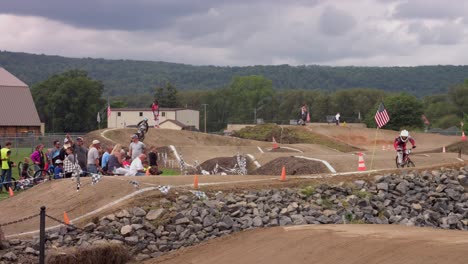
point(436, 198)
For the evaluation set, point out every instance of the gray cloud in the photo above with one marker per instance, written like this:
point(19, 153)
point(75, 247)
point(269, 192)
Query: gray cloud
point(446, 34)
point(431, 9)
point(335, 22)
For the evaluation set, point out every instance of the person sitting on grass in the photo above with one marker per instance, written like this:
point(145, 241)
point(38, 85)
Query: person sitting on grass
point(58, 169)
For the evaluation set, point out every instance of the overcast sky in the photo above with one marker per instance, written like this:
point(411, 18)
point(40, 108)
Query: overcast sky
point(242, 32)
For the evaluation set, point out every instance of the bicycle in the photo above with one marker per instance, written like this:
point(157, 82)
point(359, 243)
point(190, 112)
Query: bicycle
point(406, 160)
point(142, 129)
point(34, 173)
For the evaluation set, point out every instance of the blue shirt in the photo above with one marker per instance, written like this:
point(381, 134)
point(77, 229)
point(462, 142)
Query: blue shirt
point(105, 159)
point(58, 172)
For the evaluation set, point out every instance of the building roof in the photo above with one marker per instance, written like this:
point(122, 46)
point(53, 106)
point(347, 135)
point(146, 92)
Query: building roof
point(8, 79)
point(16, 103)
point(148, 109)
point(180, 124)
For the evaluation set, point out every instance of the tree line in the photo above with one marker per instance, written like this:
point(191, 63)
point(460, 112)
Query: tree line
point(70, 102)
point(129, 77)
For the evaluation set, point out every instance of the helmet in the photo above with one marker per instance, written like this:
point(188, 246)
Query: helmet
point(404, 135)
point(59, 161)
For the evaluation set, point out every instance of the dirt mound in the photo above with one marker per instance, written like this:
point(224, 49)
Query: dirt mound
point(280, 149)
point(457, 147)
point(294, 166)
point(218, 165)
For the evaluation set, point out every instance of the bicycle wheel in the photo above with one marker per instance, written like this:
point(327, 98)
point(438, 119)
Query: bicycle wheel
point(397, 164)
point(20, 168)
point(410, 164)
point(32, 170)
point(144, 125)
point(41, 175)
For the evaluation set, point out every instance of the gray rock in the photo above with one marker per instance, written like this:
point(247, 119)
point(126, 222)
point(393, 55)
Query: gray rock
point(137, 211)
point(382, 186)
point(133, 240)
point(257, 221)
point(284, 220)
point(209, 220)
point(126, 230)
point(155, 214)
point(123, 213)
point(298, 219)
point(402, 187)
point(15, 242)
point(182, 221)
point(10, 256)
point(89, 227)
point(276, 198)
point(359, 184)
point(30, 250)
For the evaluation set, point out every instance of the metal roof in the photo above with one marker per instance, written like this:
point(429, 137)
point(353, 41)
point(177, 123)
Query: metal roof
point(16, 103)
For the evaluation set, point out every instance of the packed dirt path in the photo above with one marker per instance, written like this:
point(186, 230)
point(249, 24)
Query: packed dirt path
point(329, 244)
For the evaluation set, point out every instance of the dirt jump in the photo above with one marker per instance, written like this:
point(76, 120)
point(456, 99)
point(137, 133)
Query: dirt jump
point(314, 244)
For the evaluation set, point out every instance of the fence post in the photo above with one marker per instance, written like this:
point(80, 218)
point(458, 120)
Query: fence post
point(42, 236)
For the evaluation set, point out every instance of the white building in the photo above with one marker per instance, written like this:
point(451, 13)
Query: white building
point(124, 117)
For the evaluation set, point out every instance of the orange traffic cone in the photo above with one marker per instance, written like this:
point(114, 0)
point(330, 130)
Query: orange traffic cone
point(283, 174)
point(66, 220)
point(275, 145)
point(463, 136)
point(195, 182)
point(10, 192)
point(361, 164)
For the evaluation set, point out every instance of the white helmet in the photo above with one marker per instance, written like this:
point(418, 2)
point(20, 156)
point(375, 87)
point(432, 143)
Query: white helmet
point(59, 161)
point(404, 135)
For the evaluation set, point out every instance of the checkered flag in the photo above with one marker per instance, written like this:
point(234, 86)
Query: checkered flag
point(78, 182)
point(182, 165)
point(200, 195)
point(164, 189)
point(95, 178)
point(135, 184)
point(242, 163)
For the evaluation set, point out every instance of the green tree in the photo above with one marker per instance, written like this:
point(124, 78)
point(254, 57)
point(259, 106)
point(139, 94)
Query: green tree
point(167, 95)
point(459, 97)
point(69, 102)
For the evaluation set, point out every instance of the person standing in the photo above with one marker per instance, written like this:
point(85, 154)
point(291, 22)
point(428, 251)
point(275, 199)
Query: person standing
point(337, 118)
point(155, 109)
point(136, 147)
point(93, 157)
point(105, 157)
point(37, 156)
point(6, 169)
point(81, 153)
point(153, 156)
point(303, 115)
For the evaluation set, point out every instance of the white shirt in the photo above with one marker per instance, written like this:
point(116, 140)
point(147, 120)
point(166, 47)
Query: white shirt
point(337, 117)
point(135, 167)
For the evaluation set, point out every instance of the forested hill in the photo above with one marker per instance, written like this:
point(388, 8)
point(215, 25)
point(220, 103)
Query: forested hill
point(124, 77)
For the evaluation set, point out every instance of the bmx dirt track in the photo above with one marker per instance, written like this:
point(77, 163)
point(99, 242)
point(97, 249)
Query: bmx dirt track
point(329, 244)
point(60, 196)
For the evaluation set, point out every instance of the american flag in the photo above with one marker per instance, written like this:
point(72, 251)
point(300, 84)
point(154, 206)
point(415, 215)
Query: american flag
point(108, 109)
point(381, 117)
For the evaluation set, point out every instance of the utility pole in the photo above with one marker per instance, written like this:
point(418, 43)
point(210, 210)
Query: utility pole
point(255, 115)
point(205, 115)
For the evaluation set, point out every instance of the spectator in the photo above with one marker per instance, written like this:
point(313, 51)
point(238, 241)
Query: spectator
point(155, 109)
point(93, 157)
point(136, 147)
point(126, 162)
point(337, 119)
point(37, 157)
point(6, 169)
point(303, 115)
point(114, 164)
point(105, 158)
point(70, 163)
point(55, 152)
point(67, 142)
point(153, 156)
point(136, 168)
point(58, 169)
point(24, 169)
point(81, 153)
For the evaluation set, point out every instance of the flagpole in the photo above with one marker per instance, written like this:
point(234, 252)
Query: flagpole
point(373, 151)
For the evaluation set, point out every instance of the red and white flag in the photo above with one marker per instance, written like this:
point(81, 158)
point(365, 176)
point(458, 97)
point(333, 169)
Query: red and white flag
point(381, 117)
